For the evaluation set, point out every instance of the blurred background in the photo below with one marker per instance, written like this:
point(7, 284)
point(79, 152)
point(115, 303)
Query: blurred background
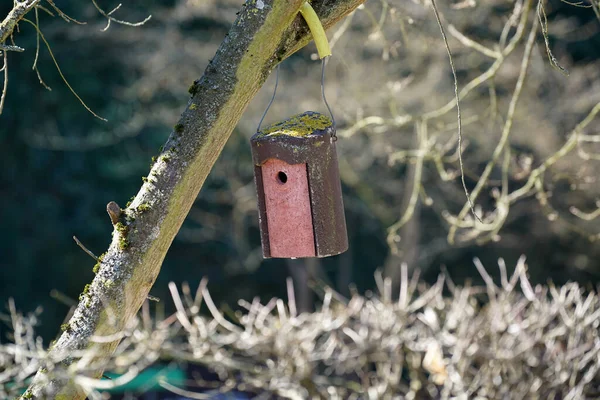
point(61, 166)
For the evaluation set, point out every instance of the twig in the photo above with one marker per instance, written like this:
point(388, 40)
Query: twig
point(182, 392)
point(472, 44)
point(63, 15)
point(460, 160)
point(37, 51)
point(544, 24)
point(5, 85)
point(60, 71)
point(506, 130)
point(110, 18)
point(7, 47)
point(392, 235)
point(84, 248)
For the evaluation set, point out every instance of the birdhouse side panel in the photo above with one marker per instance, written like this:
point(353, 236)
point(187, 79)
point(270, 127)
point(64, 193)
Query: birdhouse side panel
point(262, 215)
point(327, 206)
point(288, 209)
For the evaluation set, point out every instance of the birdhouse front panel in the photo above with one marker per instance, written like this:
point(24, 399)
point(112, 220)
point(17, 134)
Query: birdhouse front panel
point(288, 209)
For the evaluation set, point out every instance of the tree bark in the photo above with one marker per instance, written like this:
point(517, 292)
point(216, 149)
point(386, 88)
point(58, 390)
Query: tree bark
point(7, 26)
point(263, 35)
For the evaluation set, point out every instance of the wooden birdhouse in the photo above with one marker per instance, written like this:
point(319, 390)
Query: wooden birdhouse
point(300, 205)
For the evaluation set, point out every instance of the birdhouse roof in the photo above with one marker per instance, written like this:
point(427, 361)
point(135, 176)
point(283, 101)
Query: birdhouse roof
point(300, 125)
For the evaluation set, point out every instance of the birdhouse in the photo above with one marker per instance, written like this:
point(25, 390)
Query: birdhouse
point(301, 211)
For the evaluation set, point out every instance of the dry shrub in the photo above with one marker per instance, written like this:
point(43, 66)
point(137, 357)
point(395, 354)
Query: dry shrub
point(510, 340)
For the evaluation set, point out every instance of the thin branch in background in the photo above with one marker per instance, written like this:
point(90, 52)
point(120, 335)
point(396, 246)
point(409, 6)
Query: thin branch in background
point(63, 15)
point(60, 71)
point(541, 12)
point(216, 314)
point(579, 4)
point(341, 30)
point(495, 219)
point(422, 139)
point(596, 8)
point(464, 40)
point(377, 31)
point(44, 9)
point(84, 248)
point(5, 85)
point(195, 309)
point(187, 295)
point(460, 160)
point(37, 50)
point(586, 216)
point(62, 298)
point(511, 22)
point(554, 158)
point(438, 153)
point(7, 47)
point(491, 72)
point(118, 21)
point(181, 314)
point(505, 131)
point(182, 392)
point(20, 9)
point(291, 297)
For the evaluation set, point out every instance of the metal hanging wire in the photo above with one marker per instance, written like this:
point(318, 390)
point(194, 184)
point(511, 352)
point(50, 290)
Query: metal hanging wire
point(323, 63)
point(318, 33)
point(272, 99)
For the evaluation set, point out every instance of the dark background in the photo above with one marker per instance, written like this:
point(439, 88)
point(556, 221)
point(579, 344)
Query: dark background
point(61, 166)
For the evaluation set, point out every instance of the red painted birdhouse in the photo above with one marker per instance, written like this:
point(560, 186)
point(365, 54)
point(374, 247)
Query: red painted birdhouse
point(300, 204)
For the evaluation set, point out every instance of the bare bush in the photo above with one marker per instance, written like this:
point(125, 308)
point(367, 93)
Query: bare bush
point(497, 341)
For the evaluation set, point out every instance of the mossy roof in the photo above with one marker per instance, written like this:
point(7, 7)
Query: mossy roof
point(300, 125)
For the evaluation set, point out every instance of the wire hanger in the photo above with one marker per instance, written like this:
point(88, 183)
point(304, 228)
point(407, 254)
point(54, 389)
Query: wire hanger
point(324, 51)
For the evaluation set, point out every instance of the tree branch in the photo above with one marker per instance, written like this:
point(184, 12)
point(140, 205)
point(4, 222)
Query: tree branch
point(20, 9)
point(264, 34)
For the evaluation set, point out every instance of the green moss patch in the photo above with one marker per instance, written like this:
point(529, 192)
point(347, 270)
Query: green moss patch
point(300, 125)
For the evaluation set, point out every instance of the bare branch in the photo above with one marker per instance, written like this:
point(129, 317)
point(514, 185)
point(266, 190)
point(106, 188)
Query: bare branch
point(110, 18)
point(60, 71)
point(460, 138)
point(259, 39)
point(505, 132)
point(89, 253)
point(19, 10)
point(5, 84)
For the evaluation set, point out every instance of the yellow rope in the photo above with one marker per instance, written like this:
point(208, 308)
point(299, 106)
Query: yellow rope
point(316, 29)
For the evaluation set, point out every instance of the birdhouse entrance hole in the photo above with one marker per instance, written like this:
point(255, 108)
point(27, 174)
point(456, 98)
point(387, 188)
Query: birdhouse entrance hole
point(282, 177)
